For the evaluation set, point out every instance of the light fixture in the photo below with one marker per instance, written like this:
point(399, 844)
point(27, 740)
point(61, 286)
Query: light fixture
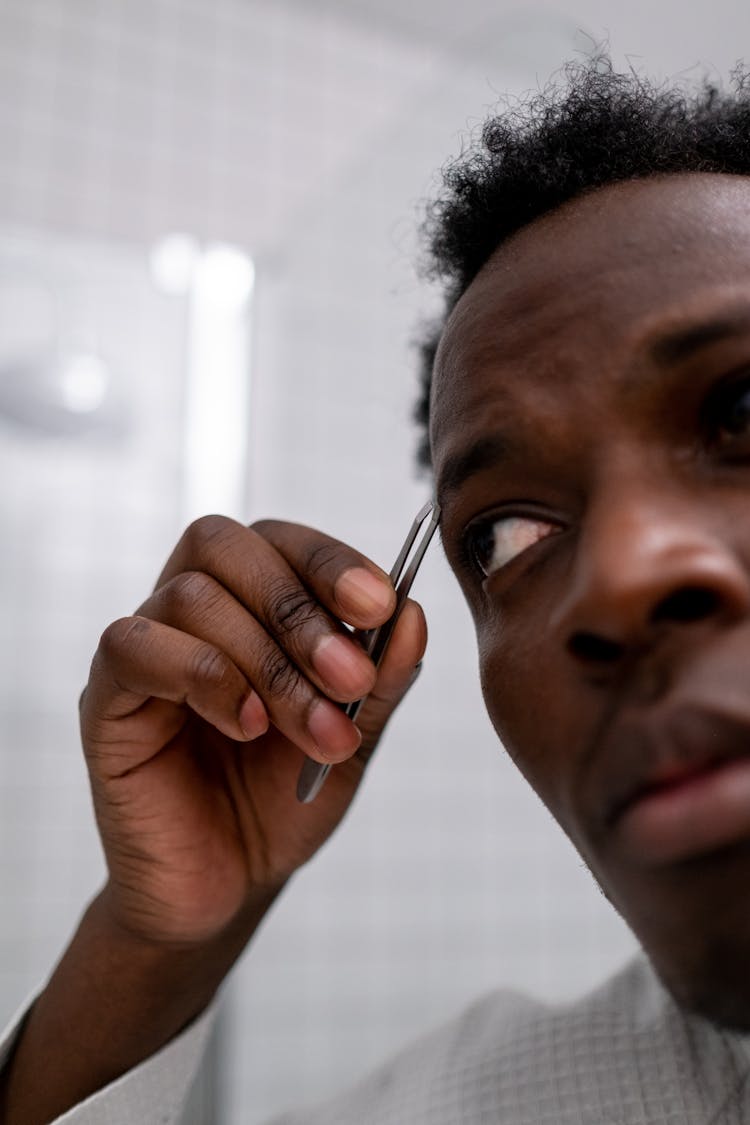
point(84, 382)
point(225, 276)
point(172, 262)
point(218, 382)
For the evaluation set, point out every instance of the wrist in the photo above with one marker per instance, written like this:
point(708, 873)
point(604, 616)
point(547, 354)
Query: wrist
point(130, 920)
point(116, 997)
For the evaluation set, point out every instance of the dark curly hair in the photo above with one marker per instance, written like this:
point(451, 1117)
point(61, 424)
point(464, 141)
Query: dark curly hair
point(594, 127)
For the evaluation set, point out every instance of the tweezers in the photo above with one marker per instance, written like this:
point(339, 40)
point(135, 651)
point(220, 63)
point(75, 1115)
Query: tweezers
point(375, 641)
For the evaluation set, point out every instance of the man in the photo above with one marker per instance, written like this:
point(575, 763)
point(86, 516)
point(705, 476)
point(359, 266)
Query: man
point(589, 417)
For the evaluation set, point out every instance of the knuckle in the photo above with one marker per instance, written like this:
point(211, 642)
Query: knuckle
point(279, 676)
point(205, 532)
point(187, 589)
point(265, 527)
point(292, 609)
point(120, 634)
point(210, 667)
point(322, 557)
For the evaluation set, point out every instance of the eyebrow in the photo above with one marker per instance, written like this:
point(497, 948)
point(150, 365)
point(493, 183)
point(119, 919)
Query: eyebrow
point(483, 454)
point(669, 348)
point(681, 343)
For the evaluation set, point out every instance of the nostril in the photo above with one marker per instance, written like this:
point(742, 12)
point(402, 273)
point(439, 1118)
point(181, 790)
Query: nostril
point(593, 649)
point(693, 603)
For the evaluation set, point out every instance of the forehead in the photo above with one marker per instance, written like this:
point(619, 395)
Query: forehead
point(575, 298)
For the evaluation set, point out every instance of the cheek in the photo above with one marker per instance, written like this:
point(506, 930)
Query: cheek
point(521, 677)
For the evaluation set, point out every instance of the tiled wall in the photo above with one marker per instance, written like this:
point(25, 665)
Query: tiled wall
point(308, 139)
point(82, 530)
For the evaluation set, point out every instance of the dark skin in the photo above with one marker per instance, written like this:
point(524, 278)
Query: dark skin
point(611, 643)
point(621, 590)
point(195, 722)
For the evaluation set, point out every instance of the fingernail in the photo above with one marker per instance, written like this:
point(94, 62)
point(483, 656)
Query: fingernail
point(334, 735)
point(253, 716)
point(361, 591)
point(342, 666)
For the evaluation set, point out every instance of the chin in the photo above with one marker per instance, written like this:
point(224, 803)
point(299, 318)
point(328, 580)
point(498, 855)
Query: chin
point(712, 982)
point(693, 923)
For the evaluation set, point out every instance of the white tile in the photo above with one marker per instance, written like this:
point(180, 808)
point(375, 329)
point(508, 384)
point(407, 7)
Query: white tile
point(309, 141)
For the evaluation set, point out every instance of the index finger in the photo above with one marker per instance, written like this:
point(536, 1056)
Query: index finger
point(350, 584)
point(352, 587)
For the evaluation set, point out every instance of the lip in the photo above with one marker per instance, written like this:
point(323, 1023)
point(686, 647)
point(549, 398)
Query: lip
point(680, 787)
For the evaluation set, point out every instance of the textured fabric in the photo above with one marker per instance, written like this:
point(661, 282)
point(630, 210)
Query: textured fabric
point(625, 1055)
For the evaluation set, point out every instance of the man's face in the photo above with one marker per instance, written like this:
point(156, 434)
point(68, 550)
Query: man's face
point(591, 445)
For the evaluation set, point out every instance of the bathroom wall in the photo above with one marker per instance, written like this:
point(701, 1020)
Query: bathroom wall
point(306, 135)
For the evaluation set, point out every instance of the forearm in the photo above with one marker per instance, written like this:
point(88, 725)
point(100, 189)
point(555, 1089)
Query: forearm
point(112, 1001)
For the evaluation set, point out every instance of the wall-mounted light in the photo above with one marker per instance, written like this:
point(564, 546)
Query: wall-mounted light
point(84, 382)
point(172, 261)
point(217, 400)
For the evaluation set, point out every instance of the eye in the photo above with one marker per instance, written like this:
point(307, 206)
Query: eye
point(729, 411)
point(494, 542)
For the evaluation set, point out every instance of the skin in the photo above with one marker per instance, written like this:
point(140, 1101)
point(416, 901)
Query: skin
point(550, 401)
point(195, 722)
point(635, 597)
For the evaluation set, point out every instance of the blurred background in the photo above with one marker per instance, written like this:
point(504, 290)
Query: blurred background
point(208, 214)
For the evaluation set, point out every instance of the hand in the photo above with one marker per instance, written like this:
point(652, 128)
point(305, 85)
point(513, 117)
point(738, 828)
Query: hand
point(200, 708)
point(196, 718)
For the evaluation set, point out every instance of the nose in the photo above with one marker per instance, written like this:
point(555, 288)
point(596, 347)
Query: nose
point(643, 567)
